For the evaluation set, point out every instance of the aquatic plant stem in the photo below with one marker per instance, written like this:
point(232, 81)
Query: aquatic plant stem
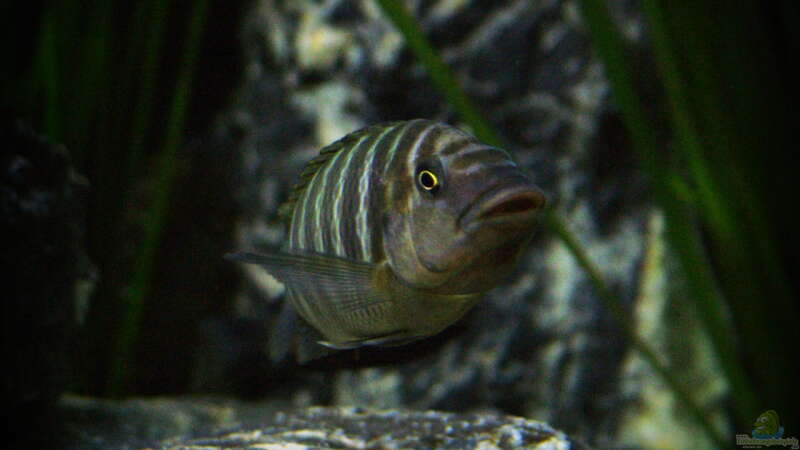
point(706, 127)
point(134, 296)
point(91, 80)
point(442, 76)
point(48, 73)
point(142, 117)
point(681, 233)
point(626, 322)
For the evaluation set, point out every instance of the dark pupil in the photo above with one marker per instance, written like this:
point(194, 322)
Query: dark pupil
point(427, 180)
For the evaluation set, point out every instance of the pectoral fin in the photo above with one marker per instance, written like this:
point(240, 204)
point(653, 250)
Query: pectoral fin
point(345, 285)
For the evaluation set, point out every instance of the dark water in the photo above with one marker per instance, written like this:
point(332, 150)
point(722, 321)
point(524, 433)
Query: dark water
point(138, 153)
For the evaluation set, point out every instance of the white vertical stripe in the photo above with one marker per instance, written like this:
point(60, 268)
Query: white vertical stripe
point(291, 227)
point(413, 153)
point(344, 173)
point(300, 211)
point(364, 191)
point(319, 244)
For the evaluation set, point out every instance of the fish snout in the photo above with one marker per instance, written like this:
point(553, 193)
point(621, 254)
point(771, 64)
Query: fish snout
point(512, 205)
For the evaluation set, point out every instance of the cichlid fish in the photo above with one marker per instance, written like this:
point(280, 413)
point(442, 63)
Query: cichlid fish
point(395, 231)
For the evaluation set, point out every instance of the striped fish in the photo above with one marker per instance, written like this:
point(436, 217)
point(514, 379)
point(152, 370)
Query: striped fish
point(395, 231)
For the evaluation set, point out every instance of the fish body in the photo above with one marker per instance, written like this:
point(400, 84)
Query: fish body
point(396, 230)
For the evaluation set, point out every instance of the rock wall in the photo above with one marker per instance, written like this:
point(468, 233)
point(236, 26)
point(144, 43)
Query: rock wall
point(47, 276)
point(207, 423)
point(542, 345)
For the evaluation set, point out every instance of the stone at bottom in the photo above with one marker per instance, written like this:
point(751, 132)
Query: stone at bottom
point(355, 428)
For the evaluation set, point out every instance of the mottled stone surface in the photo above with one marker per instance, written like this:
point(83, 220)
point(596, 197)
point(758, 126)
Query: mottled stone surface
point(542, 345)
point(355, 428)
point(216, 423)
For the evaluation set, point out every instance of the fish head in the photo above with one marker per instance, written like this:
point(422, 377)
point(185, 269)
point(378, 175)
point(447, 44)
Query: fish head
point(470, 215)
point(767, 423)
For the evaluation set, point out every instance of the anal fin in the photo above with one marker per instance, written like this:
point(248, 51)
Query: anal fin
point(394, 339)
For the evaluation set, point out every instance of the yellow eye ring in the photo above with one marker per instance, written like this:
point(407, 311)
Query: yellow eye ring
point(428, 180)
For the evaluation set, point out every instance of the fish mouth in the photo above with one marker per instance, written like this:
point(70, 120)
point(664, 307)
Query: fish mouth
point(513, 206)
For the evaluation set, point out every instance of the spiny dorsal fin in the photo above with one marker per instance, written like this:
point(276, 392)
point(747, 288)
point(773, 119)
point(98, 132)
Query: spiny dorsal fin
point(286, 210)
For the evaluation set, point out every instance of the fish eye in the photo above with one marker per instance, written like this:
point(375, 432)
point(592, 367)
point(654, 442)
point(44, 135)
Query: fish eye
point(428, 180)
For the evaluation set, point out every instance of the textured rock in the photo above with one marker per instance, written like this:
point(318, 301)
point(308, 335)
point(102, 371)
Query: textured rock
point(354, 428)
point(542, 345)
point(46, 274)
point(195, 423)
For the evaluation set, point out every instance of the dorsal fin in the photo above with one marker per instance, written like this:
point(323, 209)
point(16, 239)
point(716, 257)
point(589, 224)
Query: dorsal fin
point(286, 210)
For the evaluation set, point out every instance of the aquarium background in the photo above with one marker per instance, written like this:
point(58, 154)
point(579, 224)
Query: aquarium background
point(657, 301)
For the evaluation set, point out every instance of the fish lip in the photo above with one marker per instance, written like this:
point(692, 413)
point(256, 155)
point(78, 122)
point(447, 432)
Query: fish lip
point(523, 200)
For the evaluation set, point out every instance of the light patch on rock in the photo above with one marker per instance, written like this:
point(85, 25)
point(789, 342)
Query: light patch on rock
point(275, 31)
point(318, 45)
point(327, 103)
point(621, 253)
point(587, 98)
point(264, 282)
point(282, 446)
point(658, 420)
point(444, 9)
point(388, 48)
point(553, 308)
point(378, 388)
point(552, 37)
